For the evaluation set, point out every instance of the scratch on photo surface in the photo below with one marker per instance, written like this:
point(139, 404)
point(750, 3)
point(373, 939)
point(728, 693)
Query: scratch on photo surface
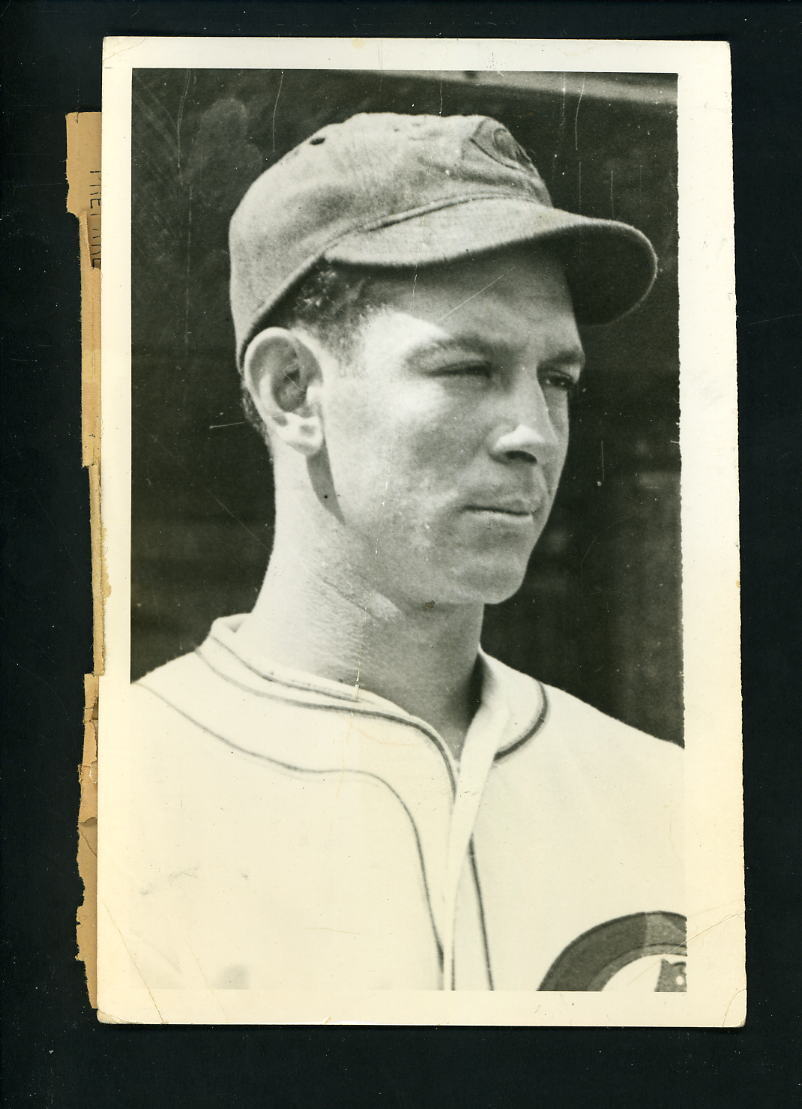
point(358, 675)
point(128, 45)
point(563, 104)
point(731, 1002)
point(207, 986)
point(155, 439)
point(715, 924)
point(576, 115)
point(178, 122)
point(384, 502)
point(236, 518)
point(275, 108)
point(473, 296)
point(134, 963)
point(187, 285)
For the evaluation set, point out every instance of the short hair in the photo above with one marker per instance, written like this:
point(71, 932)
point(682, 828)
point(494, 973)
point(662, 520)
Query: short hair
point(333, 302)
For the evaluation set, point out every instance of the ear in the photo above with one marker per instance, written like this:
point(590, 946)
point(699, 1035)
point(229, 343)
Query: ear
point(282, 375)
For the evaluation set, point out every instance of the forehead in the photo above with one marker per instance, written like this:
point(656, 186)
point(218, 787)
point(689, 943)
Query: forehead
point(514, 297)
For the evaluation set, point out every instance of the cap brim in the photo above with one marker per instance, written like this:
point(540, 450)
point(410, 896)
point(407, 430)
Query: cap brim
point(610, 267)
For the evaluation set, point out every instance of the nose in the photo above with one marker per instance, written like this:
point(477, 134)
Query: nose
point(527, 432)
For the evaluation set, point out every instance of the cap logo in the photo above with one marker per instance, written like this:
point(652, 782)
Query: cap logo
point(497, 143)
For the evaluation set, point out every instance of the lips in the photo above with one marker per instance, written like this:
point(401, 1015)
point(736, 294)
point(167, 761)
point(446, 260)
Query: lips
point(517, 507)
point(510, 511)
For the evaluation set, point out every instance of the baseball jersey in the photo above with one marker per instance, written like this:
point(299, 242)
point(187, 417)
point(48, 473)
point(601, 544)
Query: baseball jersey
point(291, 832)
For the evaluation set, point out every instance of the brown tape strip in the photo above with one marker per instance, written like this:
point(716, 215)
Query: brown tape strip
point(83, 201)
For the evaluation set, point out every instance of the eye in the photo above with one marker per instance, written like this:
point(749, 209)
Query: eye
point(562, 380)
point(477, 369)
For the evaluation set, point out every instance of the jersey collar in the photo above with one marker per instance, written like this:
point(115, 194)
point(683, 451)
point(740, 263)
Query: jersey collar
point(512, 708)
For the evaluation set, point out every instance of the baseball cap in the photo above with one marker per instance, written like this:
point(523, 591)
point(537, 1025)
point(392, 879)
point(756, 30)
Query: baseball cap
point(389, 191)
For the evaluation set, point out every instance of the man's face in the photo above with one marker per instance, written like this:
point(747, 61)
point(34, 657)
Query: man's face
point(447, 436)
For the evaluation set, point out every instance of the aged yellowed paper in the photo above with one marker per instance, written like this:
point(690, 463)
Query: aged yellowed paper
point(335, 806)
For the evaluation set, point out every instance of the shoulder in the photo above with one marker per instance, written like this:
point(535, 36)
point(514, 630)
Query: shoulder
point(572, 737)
point(603, 787)
point(212, 702)
point(589, 726)
point(184, 671)
point(171, 698)
point(168, 720)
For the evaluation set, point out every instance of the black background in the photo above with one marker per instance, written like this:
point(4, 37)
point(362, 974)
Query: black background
point(55, 1053)
point(599, 611)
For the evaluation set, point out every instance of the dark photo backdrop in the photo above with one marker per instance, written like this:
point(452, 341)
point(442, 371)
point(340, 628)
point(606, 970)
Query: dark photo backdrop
point(599, 613)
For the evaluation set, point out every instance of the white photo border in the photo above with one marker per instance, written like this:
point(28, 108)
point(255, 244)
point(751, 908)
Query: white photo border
point(710, 556)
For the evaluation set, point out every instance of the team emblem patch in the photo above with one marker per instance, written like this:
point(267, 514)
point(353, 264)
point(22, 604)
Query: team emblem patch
point(646, 951)
point(497, 143)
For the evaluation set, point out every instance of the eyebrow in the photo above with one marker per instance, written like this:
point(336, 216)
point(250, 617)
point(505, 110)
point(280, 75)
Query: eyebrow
point(471, 342)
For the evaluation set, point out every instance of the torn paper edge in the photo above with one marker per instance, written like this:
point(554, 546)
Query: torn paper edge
point(83, 201)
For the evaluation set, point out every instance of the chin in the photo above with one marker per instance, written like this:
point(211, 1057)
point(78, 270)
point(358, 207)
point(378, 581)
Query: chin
point(489, 585)
point(501, 593)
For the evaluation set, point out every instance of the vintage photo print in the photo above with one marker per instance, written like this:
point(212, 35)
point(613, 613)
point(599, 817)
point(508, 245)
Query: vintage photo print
point(419, 493)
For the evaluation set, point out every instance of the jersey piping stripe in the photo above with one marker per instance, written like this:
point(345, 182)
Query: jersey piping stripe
point(482, 920)
point(333, 771)
point(350, 708)
point(267, 675)
point(530, 731)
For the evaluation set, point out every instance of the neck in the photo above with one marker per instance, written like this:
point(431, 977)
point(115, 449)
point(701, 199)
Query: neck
point(331, 623)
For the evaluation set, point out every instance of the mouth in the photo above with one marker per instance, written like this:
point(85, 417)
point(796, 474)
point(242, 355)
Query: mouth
point(519, 509)
point(507, 514)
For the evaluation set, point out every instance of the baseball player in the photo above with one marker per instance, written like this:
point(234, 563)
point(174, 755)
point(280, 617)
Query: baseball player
point(340, 789)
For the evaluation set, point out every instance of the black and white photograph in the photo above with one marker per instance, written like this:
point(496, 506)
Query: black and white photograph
point(421, 690)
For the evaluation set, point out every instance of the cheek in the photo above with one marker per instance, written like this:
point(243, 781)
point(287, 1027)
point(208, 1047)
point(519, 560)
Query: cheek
point(404, 440)
point(432, 442)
